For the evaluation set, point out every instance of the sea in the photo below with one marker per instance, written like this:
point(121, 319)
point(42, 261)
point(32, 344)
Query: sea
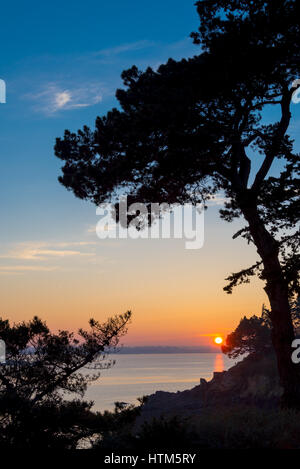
point(137, 375)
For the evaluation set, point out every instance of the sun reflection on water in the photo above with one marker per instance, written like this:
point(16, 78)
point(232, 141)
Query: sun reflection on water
point(219, 362)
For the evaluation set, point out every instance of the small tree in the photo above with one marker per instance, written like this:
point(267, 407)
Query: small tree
point(217, 121)
point(41, 368)
point(253, 335)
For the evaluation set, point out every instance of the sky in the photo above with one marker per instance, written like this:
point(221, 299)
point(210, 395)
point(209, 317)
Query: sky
point(61, 62)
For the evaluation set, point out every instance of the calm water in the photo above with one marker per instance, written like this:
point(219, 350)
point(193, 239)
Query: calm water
point(138, 375)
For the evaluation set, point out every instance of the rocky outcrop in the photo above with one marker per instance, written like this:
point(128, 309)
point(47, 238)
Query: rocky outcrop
point(252, 381)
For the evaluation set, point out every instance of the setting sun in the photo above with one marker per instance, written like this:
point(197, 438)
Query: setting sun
point(218, 340)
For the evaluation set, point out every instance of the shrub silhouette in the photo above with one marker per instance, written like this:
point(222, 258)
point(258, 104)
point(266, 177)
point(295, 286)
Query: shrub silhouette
point(41, 368)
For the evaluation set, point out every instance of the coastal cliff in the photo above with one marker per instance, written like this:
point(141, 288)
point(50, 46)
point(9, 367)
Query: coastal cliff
point(236, 409)
point(253, 381)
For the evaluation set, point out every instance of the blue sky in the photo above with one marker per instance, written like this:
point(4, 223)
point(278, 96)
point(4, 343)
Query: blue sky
point(61, 62)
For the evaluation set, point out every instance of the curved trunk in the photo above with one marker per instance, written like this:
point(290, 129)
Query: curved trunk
point(277, 291)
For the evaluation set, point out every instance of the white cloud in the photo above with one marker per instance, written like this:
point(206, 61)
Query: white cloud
point(26, 257)
point(61, 99)
point(45, 251)
point(53, 97)
point(63, 94)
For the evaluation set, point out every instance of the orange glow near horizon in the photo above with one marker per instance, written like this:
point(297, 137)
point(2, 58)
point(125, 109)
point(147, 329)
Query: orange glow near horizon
point(176, 295)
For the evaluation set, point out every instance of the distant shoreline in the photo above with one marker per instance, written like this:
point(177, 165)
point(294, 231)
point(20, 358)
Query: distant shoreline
point(165, 349)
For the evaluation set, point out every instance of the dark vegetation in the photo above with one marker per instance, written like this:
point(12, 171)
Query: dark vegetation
point(225, 421)
point(225, 428)
point(41, 369)
point(182, 134)
point(254, 334)
point(216, 122)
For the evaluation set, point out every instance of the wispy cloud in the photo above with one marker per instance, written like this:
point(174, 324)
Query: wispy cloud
point(51, 95)
point(122, 48)
point(61, 99)
point(54, 97)
point(46, 251)
point(12, 269)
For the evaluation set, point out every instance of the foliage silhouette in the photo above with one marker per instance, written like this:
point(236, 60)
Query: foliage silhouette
point(214, 122)
point(253, 335)
point(41, 368)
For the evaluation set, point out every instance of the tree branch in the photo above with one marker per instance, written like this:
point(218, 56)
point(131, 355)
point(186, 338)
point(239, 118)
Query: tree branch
point(280, 133)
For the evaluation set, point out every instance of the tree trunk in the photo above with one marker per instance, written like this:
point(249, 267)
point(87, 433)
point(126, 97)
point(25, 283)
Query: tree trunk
point(277, 291)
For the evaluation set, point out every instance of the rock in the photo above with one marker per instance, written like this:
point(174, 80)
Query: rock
point(254, 380)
